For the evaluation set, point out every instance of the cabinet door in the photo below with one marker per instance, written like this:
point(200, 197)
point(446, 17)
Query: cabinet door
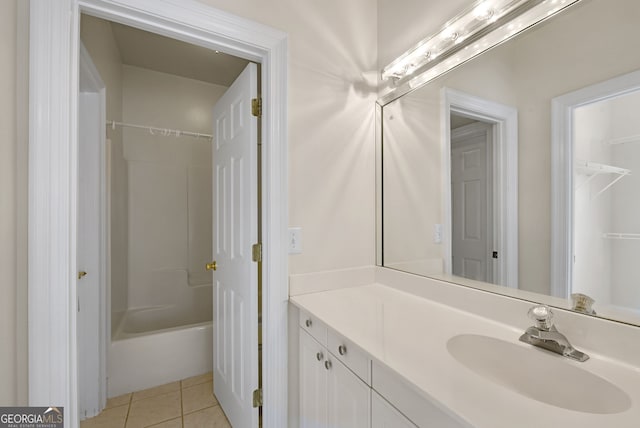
point(313, 383)
point(349, 398)
point(383, 415)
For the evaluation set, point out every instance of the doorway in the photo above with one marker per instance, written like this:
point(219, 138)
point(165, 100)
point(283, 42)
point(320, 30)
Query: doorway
point(53, 148)
point(495, 214)
point(472, 233)
point(592, 246)
point(163, 96)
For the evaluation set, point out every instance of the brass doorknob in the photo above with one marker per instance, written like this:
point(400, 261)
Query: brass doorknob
point(212, 266)
point(81, 274)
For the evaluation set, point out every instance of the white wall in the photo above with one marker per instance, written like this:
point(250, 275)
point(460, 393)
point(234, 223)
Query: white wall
point(169, 186)
point(332, 91)
point(98, 38)
point(8, 197)
point(412, 183)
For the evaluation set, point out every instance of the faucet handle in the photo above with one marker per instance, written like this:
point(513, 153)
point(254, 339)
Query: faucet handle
point(542, 315)
point(582, 303)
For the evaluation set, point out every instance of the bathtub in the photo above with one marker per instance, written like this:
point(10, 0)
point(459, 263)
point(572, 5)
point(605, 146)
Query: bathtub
point(157, 345)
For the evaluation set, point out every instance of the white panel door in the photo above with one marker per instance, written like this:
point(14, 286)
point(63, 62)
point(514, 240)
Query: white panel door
point(235, 230)
point(313, 382)
point(471, 223)
point(349, 398)
point(89, 215)
point(91, 242)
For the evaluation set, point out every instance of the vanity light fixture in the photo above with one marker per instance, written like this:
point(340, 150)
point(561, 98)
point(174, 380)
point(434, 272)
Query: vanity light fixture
point(493, 21)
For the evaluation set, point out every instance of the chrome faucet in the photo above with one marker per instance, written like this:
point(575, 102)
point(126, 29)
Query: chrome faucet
point(545, 335)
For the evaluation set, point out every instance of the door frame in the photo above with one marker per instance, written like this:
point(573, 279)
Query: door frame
point(53, 178)
point(562, 166)
point(505, 178)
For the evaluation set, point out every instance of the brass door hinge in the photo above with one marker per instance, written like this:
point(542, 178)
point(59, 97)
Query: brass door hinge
point(256, 252)
point(257, 398)
point(256, 107)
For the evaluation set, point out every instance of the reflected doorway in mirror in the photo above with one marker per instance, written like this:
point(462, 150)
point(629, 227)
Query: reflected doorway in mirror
point(491, 226)
point(472, 231)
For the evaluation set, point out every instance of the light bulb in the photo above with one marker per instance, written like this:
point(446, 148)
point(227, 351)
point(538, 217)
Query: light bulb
point(483, 12)
point(449, 34)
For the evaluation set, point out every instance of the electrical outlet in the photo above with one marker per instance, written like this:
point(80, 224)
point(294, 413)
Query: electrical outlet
point(295, 240)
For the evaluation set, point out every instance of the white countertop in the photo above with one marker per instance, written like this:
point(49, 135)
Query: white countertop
point(409, 334)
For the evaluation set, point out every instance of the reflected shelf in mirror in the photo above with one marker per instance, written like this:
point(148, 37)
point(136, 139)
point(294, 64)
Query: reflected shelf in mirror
point(623, 236)
point(594, 169)
point(624, 140)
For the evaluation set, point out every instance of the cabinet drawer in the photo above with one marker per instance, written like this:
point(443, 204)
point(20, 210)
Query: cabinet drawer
point(314, 327)
point(352, 356)
point(404, 397)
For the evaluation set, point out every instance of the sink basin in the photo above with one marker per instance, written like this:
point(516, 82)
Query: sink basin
point(538, 374)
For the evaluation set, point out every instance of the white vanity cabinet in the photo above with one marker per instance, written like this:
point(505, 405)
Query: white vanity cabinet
point(349, 398)
point(313, 383)
point(342, 387)
point(404, 397)
point(331, 395)
point(400, 366)
point(384, 415)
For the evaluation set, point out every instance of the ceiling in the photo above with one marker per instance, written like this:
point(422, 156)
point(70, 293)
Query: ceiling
point(154, 52)
point(458, 121)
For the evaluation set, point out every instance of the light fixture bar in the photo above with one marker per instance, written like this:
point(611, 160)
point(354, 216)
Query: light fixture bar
point(469, 27)
point(481, 15)
point(415, 67)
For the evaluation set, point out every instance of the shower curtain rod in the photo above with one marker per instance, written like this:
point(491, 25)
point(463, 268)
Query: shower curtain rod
point(165, 132)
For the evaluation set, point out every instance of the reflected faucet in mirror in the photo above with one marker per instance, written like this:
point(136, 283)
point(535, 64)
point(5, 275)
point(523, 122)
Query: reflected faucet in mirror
point(583, 303)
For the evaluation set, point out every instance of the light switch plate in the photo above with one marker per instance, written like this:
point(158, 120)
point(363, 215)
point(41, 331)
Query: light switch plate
point(437, 233)
point(295, 240)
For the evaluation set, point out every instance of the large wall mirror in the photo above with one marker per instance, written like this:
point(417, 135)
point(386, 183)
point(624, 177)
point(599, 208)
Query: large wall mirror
point(518, 172)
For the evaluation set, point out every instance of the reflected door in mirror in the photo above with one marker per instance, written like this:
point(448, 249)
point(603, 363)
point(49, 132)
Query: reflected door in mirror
point(472, 201)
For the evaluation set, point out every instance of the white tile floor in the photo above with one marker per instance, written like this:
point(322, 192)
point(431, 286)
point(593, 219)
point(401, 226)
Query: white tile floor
point(189, 403)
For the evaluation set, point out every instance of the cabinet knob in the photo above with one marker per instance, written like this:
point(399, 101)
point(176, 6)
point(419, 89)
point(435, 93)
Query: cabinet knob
point(342, 349)
point(308, 323)
point(319, 356)
point(327, 364)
